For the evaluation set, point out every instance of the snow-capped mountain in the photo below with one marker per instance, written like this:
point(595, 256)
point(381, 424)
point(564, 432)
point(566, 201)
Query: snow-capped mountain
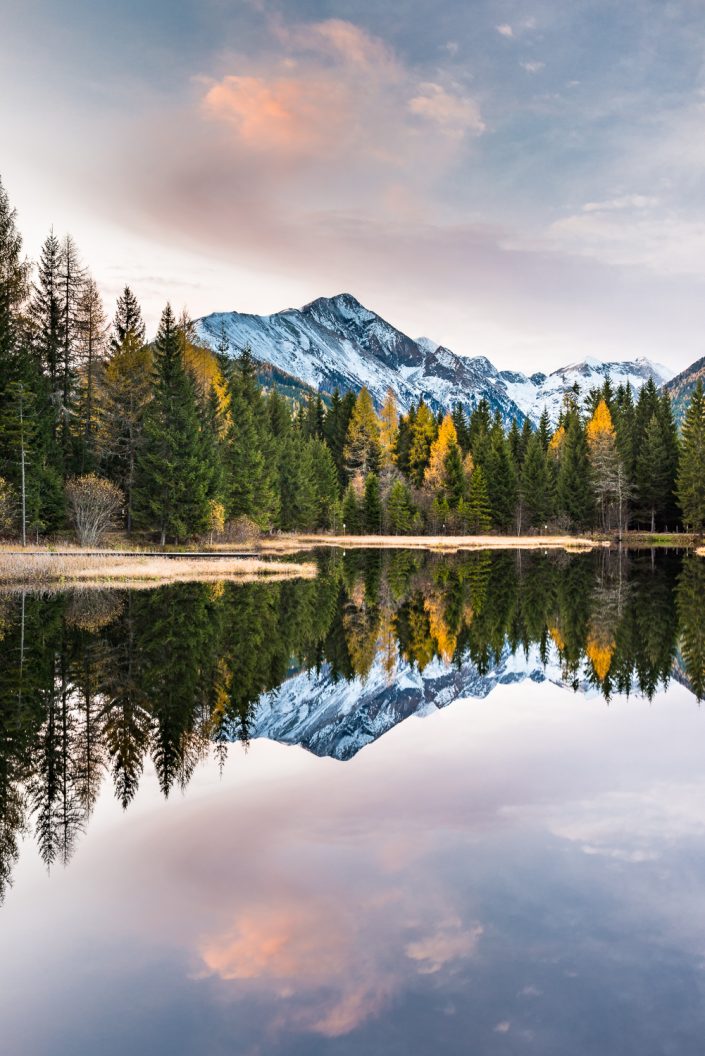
point(337, 342)
point(338, 718)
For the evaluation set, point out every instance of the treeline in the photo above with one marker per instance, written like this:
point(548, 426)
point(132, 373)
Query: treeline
point(96, 684)
point(183, 442)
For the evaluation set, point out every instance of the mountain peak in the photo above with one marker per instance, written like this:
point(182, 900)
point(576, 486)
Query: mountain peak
point(336, 342)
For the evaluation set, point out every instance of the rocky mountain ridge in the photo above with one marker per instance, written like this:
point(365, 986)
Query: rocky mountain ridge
point(338, 342)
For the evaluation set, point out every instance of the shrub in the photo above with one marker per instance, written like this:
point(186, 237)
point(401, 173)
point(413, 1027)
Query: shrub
point(93, 503)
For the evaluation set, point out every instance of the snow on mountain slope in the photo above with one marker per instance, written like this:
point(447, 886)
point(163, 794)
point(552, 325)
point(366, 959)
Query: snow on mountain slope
point(338, 718)
point(337, 342)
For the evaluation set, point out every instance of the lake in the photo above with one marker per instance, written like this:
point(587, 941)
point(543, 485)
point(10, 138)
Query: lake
point(420, 804)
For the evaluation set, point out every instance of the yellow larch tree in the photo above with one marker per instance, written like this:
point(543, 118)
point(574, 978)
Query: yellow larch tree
point(388, 429)
point(434, 477)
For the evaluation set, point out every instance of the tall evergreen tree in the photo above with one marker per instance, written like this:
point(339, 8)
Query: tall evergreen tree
point(536, 489)
point(92, 339)
point(47, 318)
point(691, 470)
point(251, 471)
point(574, 485)
point(128, 322)
point(477, 510)
point(174, 482)
point(372, 505)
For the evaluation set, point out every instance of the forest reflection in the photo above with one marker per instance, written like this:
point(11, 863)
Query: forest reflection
point(93, 684)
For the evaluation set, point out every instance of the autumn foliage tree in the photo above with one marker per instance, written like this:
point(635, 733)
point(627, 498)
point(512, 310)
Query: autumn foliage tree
point(94, 504)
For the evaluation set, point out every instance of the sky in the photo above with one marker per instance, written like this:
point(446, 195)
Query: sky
point(521, 180)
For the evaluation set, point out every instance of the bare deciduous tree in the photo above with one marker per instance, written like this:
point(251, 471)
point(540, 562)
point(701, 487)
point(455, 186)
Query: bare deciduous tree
point(93, 502)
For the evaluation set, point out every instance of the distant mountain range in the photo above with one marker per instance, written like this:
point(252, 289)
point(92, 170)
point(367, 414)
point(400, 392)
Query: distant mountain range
point(681, 387)
point(337, 342)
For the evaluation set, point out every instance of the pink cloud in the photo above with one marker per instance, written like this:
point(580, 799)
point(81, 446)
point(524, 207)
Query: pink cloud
point(280, 114)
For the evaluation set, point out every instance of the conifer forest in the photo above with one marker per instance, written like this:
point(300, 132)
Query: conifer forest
point(182, 442)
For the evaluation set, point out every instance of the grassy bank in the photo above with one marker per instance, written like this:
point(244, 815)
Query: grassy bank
point(293, 543)
point(46, 568)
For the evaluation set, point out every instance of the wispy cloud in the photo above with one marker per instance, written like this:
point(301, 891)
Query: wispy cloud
point(533, 66)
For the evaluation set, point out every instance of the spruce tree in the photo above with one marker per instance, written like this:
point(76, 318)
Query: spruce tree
point(537, 499)
point(352, 513)
point(654, 472)
point(174, 486)
point(298, 505)
point(128, 322)
point(574, 485)
point(454, 475)
point(92, 338)
point(477, 511)
point(326, 485)
point(125, 392)
point(47, 318)
point(249, 456)
point(423, 430)
point(691, 469)
point(14, 286)
point(400, 513)
point(372, 505)
point(501, 480)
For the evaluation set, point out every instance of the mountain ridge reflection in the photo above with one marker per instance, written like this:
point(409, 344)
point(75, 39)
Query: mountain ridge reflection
point(94, 683)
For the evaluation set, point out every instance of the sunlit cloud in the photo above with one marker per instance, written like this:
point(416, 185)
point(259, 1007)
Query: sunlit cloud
point(443, 947)
point(454, 114)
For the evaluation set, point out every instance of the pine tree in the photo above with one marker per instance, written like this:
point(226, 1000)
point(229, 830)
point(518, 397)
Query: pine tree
point(574, 485)
point(92, 338)
point(128, 322)
point(501, 480)
point(477, 511)
point(536, 491)
point(352, 514)
point(400, 513)
point(372, 505)
point(654, 473)
point(460, 422)
point(72, 277)
point(298, 505)
point(479, 428)
point(326, 486)
point(423, 433)
point(47, 318)
point(250, 463)
point(174, 481)
point(544, 429)
point(455, 485)
point(691, 469)
point(14, 286)
point(125, 392)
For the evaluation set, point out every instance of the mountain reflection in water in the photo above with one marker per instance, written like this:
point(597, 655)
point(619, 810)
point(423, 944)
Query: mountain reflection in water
point(478, 883)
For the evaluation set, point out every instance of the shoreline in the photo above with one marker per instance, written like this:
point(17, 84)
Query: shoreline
point(95, 569)
point(66, 564)
point(440, 543)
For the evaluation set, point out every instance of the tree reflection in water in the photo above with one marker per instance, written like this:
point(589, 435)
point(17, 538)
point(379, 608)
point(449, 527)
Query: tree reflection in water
point(94, 683)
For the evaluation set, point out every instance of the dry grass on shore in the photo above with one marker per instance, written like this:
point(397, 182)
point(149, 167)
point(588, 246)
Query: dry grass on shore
point(450, 543)
point(43, 568)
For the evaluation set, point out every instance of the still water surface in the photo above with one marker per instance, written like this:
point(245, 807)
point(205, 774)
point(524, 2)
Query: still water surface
point(419, 805)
